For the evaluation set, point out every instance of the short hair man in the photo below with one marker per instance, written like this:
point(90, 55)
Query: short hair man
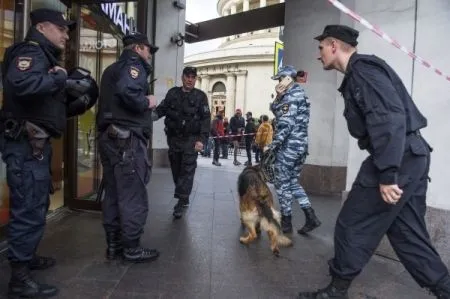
point(123, 122)
point(187, 126)
point(389, 193)
point(36, 106)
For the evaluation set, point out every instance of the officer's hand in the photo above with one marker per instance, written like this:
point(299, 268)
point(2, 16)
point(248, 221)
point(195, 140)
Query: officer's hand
point(152, 101)
point(198, 146)
point(265, 149)
point(390, 193)
point(57, 68)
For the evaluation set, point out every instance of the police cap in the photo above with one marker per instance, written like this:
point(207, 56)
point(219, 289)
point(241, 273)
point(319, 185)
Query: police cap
point(190, 70)
point(340, 32)
point(140, 39)
point(49, 15)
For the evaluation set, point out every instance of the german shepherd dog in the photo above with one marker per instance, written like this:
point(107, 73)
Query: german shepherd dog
point(257, 211)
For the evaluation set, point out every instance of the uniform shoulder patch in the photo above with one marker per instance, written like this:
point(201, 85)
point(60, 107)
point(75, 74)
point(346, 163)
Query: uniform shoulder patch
point(134, 72)
point(285, 108)
point(24, 63)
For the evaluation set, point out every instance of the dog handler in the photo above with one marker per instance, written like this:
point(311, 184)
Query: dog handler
point(389, 193)
point(290, 144)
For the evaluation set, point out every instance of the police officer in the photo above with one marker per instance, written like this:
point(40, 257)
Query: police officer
point(290, 144)
point(389, 192)
point(124, 122)
point(187, 126)
point(35, 108)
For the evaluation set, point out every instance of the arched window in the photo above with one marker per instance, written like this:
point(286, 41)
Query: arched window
point(219, 98)
point(219, 87)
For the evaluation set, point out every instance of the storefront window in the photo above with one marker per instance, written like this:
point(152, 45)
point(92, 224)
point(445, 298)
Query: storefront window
point(102, 27)
point(6, 39)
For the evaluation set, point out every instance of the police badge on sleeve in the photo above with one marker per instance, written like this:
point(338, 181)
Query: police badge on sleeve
point(134, 72)
point(285, 108)
point(24, 63)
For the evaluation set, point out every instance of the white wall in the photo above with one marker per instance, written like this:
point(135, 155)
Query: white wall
point(327, 132)
point(259, 89)
point(168, 59)
point(432, 93)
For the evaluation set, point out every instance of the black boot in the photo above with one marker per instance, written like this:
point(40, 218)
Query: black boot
point(114, 248)
point(311, 222)
point(140, 254)
point(286, 224)
point(41, 263)
point(337, 289)
point(442, 290)
point(179, 207)
point(22, 285)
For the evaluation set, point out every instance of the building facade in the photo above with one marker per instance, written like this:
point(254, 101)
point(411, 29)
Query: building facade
point(237, 73)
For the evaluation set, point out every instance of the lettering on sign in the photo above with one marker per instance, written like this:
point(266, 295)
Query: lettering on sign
point(119, 18)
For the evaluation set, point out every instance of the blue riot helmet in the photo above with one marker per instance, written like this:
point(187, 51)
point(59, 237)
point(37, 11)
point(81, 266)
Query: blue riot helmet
point(82, 91)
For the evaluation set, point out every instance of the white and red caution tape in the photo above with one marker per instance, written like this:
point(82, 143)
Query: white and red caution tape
point(227, 136)
point(386, 37)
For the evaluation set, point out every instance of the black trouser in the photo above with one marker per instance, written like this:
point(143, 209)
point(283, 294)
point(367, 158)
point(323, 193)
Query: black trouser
point(248, 149)
point(258, 153)
point(126, 173)
point(365, 218)
point(183, 162)
point(224, 143)
point(29, 185)
point(216, 149)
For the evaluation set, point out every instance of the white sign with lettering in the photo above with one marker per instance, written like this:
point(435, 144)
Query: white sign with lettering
point(119, 18)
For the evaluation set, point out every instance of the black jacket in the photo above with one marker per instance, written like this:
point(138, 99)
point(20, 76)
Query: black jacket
point(379, 112)
point(187, 114)
point(123, 91)
point(30, 92)
point(236, 123)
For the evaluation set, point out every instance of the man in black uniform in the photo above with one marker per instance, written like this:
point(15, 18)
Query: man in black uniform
point(35, 108)
point(187, 126)
point(124, 122)
point(389, 193)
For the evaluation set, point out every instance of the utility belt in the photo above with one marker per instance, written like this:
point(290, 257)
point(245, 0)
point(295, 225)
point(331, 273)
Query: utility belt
point(37, 136)
point(120, 135)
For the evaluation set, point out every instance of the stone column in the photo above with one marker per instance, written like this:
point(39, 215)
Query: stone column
point(198, 83)
point(205, 84)
point(246, 5)
point(241, 80)
point(231, 95)
point(233, 9)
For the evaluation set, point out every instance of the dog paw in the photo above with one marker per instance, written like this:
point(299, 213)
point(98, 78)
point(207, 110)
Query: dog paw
point(276, 252)
point(243, 240)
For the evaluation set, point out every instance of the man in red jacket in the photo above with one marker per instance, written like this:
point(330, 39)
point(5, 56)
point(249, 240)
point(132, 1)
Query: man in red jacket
point(217, 131)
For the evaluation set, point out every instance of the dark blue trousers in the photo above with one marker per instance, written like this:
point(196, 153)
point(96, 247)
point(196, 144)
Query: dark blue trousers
point(365, 218)
point(126, 173)
point(29, 185)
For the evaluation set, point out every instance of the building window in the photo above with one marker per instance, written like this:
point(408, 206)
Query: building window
point(219, 91)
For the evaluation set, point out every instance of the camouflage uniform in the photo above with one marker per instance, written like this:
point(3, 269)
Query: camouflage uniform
point(290, 144)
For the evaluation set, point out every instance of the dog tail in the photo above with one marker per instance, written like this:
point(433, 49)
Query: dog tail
point(267, 213)
point(282, 240)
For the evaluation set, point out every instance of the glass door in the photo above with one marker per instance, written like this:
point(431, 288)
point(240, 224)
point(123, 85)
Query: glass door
point(98, 46)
